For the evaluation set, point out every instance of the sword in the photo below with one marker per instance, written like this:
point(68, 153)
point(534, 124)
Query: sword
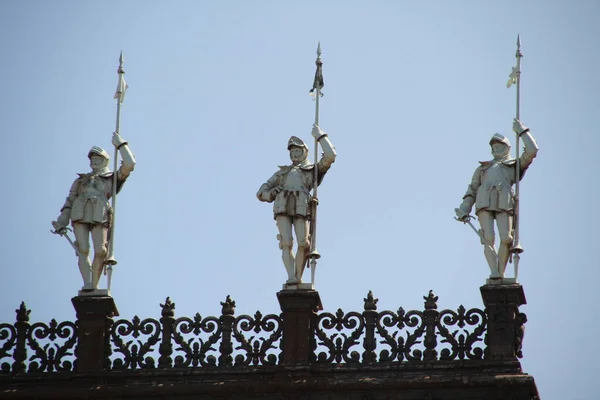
point(466, 218)
point(63, 231)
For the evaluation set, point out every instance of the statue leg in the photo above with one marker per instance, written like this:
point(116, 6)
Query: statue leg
point(486, 220)
point(82, 239)
point(301, 229)
point(504, 221)
point(99, 236)
point(286, 242)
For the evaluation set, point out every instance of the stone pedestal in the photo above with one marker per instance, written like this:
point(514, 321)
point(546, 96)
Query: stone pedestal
point(94, 319)
point(505, 323)
point(298, 308)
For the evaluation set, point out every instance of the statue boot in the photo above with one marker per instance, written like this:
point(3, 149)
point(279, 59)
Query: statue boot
point(492, 260)
point(301, 257)
point(97, 268)
point(288, 262)
point(85, 269)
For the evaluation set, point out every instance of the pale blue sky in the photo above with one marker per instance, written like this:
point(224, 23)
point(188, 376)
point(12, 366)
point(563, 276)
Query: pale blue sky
point(413, 92)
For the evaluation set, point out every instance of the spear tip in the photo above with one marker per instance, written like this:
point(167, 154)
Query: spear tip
point(518, 41)
point(121, 58)
point(319, 49)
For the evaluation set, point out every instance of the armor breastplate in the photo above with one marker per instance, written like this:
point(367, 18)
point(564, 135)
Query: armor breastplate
point(294, 180)
point(495, 192)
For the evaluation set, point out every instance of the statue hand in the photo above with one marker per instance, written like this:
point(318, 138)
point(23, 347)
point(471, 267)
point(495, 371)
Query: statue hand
point(117, 140)
point(461, 215)
point(275, 191)
point(59, 228)
point(317, 132)
point(518, 126)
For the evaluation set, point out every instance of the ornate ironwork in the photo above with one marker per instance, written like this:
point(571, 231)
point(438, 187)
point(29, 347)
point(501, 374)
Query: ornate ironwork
point(366, 337)
point(349, 327)
point(462, 343)
point(36, 348)
point(402, 341)
point(257, 350)
point(404, 336)
point(137, 353)
point(51, 356)
point(8, 338)
point(195, 349)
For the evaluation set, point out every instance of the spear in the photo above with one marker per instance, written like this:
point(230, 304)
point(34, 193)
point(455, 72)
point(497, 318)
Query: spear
point(119, 96)
point(316, 90)
point(515, 77)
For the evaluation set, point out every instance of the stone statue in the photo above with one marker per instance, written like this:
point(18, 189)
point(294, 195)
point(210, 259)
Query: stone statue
point(491, 191)
point(289, 189)
point(88, 209)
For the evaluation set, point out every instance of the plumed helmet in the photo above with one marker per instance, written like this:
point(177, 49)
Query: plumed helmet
point(498, 138)
point(296, 141)
point(98, 151)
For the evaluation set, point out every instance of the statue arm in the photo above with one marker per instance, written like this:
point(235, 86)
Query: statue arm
point(329, 154)
point(530, 152)
point(268, 190)
point(65, 211)
point(127, 163)
point(471, 193)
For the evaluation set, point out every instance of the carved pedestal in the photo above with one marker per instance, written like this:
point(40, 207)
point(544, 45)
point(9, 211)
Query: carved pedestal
point(298, 307)
point(505, 322)
point(94, 320)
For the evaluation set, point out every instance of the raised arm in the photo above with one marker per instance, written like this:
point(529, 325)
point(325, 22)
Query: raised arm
point(128, 159)
point(329, 153)
point(531, 147)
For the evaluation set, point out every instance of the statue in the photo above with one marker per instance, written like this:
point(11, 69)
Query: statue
point(289, 189)
point(491, 191)
point(88, 209)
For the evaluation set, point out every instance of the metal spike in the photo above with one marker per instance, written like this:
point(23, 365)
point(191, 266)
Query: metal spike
point(319, 50)
point(120, 70)
point(518, 41)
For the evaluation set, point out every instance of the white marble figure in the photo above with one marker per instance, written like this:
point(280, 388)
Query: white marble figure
point(89, 210)
point(289, 189)
point(491, 191)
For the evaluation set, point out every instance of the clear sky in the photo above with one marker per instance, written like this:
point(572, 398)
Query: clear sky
point(413, 93)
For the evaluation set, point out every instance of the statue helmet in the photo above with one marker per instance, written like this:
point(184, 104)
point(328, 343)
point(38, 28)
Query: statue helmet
point(98, 151)
point(296, 141)
point(498, 138)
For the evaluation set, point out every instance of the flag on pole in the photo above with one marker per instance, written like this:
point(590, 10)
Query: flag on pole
point(512, 78)
point(121, 88)
point(318, 82)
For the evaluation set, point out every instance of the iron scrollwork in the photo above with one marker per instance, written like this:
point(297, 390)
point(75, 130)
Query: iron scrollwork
point(51, 356)
point(339, 344)
point(462, 343)
point(401, 347)
point(136, 353)
point(8, 338)
point(195, 349)
point(256, 348)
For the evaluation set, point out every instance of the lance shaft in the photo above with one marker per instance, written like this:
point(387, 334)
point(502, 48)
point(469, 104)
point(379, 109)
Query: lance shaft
point(517, 247)
point(316, 176)
point(110, 260)
point(314, 254)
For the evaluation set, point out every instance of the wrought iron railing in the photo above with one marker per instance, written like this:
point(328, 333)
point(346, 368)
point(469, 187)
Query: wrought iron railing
point(183, 342)
point(37, 347)
point(426, 335)
point(365, 337)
